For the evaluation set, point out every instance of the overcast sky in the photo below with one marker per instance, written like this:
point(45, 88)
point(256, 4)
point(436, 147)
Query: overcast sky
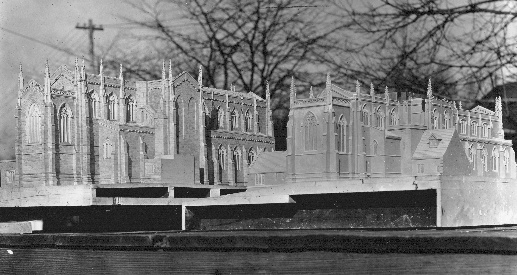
point(51, 22)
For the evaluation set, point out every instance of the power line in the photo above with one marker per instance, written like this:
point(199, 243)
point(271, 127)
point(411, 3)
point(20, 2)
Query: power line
point(37, 41)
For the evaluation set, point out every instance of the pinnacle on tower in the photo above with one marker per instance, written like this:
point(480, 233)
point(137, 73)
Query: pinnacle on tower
point(292, 92)
point(20, 78)
point(268, 93)
point(372, 90)
point(328, 84)
point(311, 93)
point(47, 83)
point(460, 106)
point(47, 70)
point(429, 90)
point(121, 73)
point(200, 76)
point(83, 73)
point(386, 94)
point(163, 69)
point(170, 69)
point(357, 87)
point(100, 68)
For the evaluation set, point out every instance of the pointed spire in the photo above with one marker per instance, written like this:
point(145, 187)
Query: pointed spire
point(372, 90)
point(163, 69)
point(460, 106)
point(20, 78)
point(200, 76)
point(268, 111)
point(311, 93)
point(47, 70)
point(83, 72)
point(121, 78)
point(429, 90)
point(386, 95)
point(101, 68)
point(328, 83)
point(170, 69)
point(47, 83)
point(328, 87)
point(268, 93)
point(357, 87)
point(292, 92)
point(498, 107)
point(77, 77)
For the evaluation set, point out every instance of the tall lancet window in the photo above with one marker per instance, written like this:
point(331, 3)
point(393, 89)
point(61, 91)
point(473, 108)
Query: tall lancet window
point(310, 132)
point(248, 122)
point(341, 134)
point(394, 118)
point(446, 120)
point(251, 156)
point(220, 119)
point(234, 120)
point(495, 159)
point(221, 157)
point(65, 118)
point(506, 160)
point(112, 107)
point(94, 105)
point(33, 125)
point(130, 109)
point(434, 119)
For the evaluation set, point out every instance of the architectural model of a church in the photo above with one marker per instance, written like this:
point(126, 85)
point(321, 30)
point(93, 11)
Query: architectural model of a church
point(340, 134)
point(79, 134)
point(80, 128)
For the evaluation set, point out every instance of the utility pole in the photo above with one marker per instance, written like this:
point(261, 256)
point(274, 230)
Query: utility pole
point(91, 28)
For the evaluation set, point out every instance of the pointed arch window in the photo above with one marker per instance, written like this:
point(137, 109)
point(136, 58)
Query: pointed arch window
point(434, 119)
point(484, 159)
point(379, 118)
point(310, 132)
point(234, 120)
point(393, 117)
point(130, 109)
point(446, 120)
point(221, 157)
point(248, 122)
point(65, 118)
point(94, 105)
point(257, 118)
point(495, 159)
point(34, 125)
point(463, 127)
point(251, 156)
point(485, 130)
point(341, 134)
point(365, 116)
point(375, 148)
point(112, 107)
point(237, 159)
point(474, 128)
point(220, 119)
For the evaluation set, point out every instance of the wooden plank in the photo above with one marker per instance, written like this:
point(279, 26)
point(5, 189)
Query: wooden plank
point(69, 261)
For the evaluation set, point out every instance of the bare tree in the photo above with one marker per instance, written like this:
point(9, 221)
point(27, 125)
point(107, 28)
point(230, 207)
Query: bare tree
point(245, 43)
point(467, 43)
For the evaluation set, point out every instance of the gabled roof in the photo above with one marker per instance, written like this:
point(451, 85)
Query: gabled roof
point(483, 110)
point(269, 162)
point(336, 92)
point(424, 151)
